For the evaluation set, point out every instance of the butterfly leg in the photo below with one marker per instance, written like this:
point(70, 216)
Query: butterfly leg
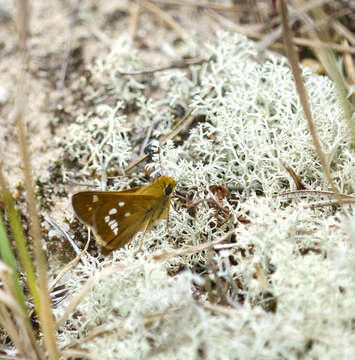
point(146, 227)
point(167, 226)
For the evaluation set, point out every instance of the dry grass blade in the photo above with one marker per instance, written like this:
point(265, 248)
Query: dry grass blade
point(44, 308)
point(134, 18)
point(328, 60)
point(167, 19)
point(275, 34)
point(342, 30)
point(255, 31)
point(98, 331)
point(349, 64)
point(14, 321)
point(203, 4)
point(314, 193)
point(227, 311)
point(297, 74)
point(77, 354)
point(330, 203)
point(318, 44)
point(251, 30)
point(8, 324)
point(296, 179)
point(346, 199)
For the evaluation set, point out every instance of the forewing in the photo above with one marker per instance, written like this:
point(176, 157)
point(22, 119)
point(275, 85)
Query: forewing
point(86, 203)
point(115, 223)
point(114, 217)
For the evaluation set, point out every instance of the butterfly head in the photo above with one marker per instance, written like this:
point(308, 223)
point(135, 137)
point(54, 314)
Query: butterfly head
point(167, 184)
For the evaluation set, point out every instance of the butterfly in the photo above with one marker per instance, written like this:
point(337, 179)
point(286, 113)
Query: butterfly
point(115, 217)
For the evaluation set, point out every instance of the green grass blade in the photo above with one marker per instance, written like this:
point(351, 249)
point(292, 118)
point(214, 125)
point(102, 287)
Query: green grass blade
point(20, 241)
point(9, 259)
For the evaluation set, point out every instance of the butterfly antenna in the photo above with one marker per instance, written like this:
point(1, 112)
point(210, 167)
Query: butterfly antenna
point(161, 166)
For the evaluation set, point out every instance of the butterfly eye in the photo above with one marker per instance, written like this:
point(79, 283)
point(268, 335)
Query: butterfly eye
point(168, 190)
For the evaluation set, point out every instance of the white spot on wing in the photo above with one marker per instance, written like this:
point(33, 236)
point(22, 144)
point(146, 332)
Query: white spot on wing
point(121, 203)
point(113, 211)
point(107, 219)
point(95, 198)
point(127, 214)
point(113, 224)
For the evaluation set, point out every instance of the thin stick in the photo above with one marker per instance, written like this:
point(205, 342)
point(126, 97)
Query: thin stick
point(181, 65)
point(180, 126)
point(184, 122)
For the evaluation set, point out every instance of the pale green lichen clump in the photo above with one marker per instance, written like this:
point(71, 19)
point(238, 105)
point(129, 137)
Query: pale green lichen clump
point(290, 277)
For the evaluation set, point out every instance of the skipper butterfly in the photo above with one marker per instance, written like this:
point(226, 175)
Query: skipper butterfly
point(115, 217)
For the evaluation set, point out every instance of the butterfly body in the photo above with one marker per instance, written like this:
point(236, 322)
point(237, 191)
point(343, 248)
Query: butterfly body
point(116, 217)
